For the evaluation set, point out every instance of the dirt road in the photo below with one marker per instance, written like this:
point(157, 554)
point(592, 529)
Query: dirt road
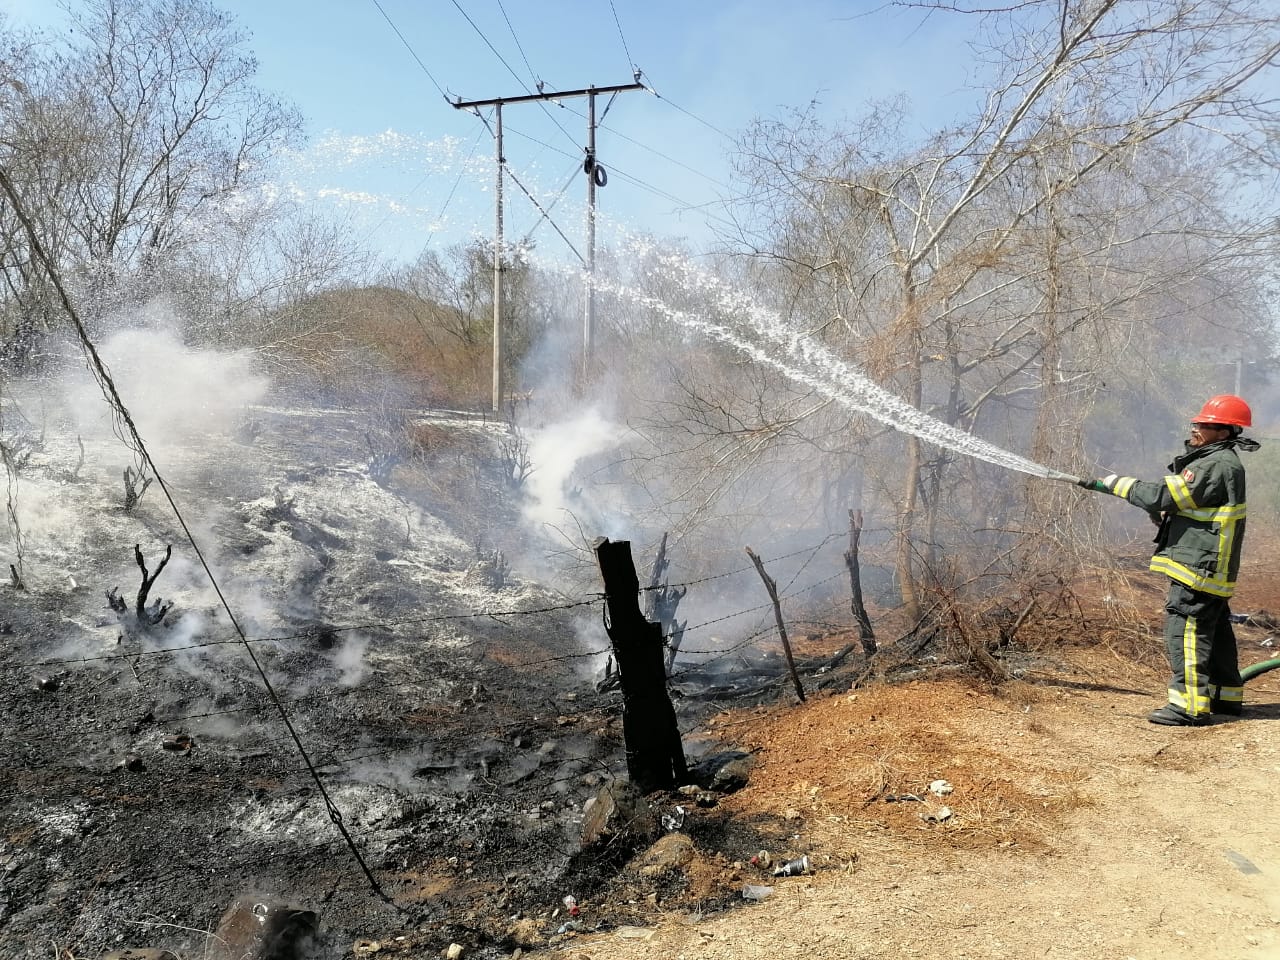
point(1077, 829)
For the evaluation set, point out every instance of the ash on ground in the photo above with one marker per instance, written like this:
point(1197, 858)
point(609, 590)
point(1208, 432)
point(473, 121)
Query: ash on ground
point(151, 782)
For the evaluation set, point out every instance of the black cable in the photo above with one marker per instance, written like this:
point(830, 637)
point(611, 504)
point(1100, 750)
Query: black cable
point(635, 71)
point(412, 52)
point(503, 61)
point(104, 380)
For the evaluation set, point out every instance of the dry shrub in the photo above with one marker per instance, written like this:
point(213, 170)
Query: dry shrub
point(427, 442)
point(354, 337)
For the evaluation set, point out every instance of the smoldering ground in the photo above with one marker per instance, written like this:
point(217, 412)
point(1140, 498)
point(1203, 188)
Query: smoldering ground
point(378, 645)
point(458, 737)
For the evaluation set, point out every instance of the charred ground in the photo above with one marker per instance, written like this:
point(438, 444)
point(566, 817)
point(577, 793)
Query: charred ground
point(450, 706)
point(448, 703)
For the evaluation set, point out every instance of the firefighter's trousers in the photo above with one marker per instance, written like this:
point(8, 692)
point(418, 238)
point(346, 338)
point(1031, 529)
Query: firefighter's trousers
point(1202, 653)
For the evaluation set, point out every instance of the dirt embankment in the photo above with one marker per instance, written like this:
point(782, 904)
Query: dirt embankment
point(1075, 827)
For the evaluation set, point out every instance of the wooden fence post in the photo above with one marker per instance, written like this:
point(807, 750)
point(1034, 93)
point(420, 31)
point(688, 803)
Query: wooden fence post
point(772, 587)
point(660, 604)
point(655, 755)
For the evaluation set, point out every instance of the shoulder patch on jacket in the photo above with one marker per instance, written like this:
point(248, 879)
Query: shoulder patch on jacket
point(1188, 476)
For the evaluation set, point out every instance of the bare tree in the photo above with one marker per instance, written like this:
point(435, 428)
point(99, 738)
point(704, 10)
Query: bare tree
point(1001, 273)
point(119, 142)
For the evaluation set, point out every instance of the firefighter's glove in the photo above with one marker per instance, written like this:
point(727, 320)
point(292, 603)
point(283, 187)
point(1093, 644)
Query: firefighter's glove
point(1105, 485)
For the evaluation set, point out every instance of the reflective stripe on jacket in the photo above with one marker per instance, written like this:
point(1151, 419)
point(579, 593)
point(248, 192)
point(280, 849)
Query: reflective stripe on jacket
point(1202, 508)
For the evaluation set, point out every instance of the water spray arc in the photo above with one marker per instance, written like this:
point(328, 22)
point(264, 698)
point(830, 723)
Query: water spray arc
point(797, 356)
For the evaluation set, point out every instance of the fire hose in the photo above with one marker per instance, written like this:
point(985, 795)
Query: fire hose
point(1254, 670)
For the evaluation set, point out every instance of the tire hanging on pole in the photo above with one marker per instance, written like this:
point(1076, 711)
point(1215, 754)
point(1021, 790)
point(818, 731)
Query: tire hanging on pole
point(595, 170)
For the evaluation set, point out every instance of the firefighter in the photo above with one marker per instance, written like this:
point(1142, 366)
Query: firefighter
point(1200, 510)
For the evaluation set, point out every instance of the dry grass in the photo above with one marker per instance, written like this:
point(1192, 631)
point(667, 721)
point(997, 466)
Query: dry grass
point(376, 336)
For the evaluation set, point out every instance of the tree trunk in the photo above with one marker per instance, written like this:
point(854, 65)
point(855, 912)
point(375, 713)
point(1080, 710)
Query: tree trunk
point(910, 493)
point(866, 635)
point(655, 755)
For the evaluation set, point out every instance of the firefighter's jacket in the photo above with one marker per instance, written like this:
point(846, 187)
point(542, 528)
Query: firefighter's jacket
point(1200, 507)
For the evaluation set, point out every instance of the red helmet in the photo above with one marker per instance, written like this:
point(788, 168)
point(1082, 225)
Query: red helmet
point(1226, 409)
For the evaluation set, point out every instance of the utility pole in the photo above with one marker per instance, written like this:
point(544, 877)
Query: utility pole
point(592, 170)
point(497, 265)
point(596, 177)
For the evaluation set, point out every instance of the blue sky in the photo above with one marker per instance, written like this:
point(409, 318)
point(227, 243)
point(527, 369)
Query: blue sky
point(389, 151)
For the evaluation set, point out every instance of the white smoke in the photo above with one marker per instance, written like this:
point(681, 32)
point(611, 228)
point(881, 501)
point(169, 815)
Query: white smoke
point(175, 395)
point(558, 495)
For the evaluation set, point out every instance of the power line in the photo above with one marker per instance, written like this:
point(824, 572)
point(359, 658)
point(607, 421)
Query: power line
point(656, 191)
point(532, 74)
point(414, 189)
point(532, 199)
point(706, 123)
point(630, 62)
point(658, 153)
point(412, 52)
point(538, 83)
point(630, 178)
point(443, 207)
point(678, 201)
point(502, 59)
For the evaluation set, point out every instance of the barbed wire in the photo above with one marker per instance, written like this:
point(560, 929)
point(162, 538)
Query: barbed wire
point(712, 656)
point(385, 622)
point(747, 569)
point(328, 764)
point(312, 632)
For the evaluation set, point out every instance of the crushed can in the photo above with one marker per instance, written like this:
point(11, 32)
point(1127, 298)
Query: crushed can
point(675, 820)
point(793, 868)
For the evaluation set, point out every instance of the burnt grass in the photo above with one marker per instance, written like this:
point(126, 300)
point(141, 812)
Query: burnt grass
point(147, 780)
